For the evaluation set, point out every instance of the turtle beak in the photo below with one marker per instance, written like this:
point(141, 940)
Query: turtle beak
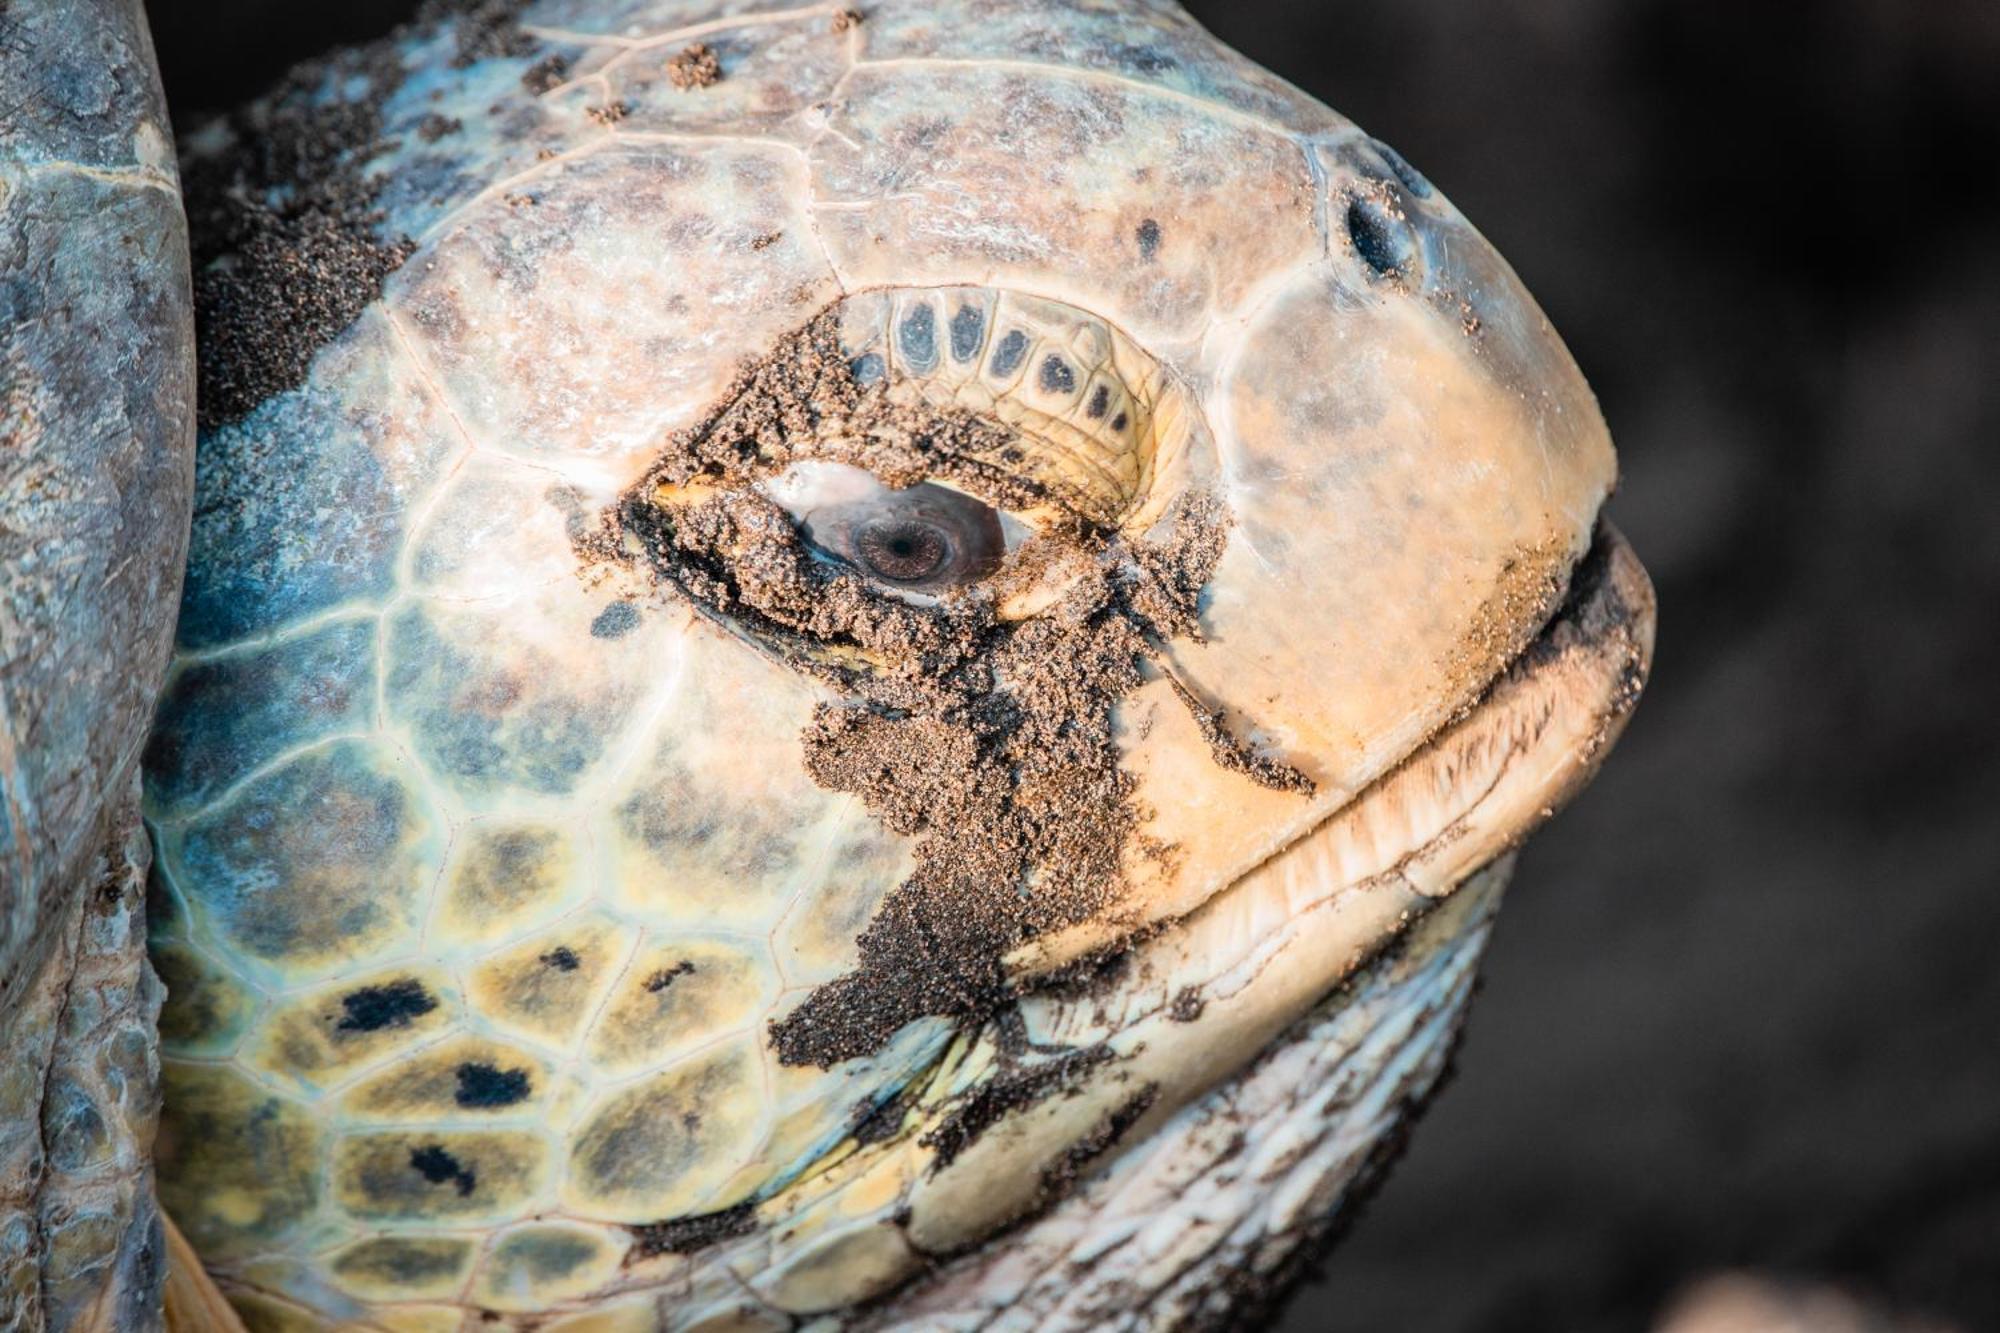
point(1407, 871)
point(1419, 612)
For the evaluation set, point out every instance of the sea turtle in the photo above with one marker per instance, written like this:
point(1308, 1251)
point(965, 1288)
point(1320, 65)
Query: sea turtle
point(874, 664)
point(96, 471)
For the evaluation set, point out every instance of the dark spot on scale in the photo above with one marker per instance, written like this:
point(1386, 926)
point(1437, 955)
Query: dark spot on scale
point(481, 1086)
point(664, 978)
point(1120, 421)
point(1188, 1005)
point(615, 621)
point(562, 958)
point(966, 327)
point(1056, 375)
point(1413, 180)
point(392, 1006)
point(1100, 402)
point(869, 368)
point(1149, 239)
point(1011, 352)
point(918, 338)
point(1380, 240)
point(437, 1166)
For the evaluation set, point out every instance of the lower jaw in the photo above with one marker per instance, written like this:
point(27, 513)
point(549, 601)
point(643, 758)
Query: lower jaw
point(1201, 998)
point(1338, 974)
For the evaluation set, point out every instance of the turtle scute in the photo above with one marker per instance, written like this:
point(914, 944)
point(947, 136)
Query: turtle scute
point(251, 1160)
point(438, 1175)
point(401, 1268)
point(321, 1036)
point(463, 1074)
point(533, 1267)
point(505, 877)
point(664, 1146)
point(350, 836)
point(546, 987)
point(678, 994)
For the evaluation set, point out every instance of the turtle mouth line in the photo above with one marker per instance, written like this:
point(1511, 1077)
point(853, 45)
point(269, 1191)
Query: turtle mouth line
point(1511, 759)
point(1462, 799)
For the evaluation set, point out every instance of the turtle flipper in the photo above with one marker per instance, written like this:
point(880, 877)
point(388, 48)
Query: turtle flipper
point(190, 1299)
point(96, 472)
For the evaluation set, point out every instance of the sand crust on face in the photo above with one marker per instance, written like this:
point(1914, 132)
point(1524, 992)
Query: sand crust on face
point(990, 740)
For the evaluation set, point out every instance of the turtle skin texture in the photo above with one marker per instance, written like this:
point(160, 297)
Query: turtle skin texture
point(607, 879)
point(96, 474)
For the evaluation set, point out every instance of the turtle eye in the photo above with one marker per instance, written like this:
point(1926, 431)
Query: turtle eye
point(903, 549)
point(923, 539)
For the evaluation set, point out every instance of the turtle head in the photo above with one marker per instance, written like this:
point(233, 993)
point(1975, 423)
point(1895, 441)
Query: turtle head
point(1207, 684)
point(940, 635)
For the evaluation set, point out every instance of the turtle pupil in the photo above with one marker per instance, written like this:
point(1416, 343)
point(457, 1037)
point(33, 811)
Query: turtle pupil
point(924, 538)
point(903, 551)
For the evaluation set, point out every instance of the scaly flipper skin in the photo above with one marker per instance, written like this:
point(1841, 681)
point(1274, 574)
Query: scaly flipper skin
point(96, 471)
point(832, 655)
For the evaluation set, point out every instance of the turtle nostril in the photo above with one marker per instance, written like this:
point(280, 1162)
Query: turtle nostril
point(1381, 240)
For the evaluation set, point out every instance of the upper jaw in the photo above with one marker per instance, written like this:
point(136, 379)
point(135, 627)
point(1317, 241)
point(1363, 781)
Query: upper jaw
point(1196, 999)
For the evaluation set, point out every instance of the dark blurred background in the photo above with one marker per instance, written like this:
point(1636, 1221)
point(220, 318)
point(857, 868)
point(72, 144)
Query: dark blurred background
point(1743, 1009)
